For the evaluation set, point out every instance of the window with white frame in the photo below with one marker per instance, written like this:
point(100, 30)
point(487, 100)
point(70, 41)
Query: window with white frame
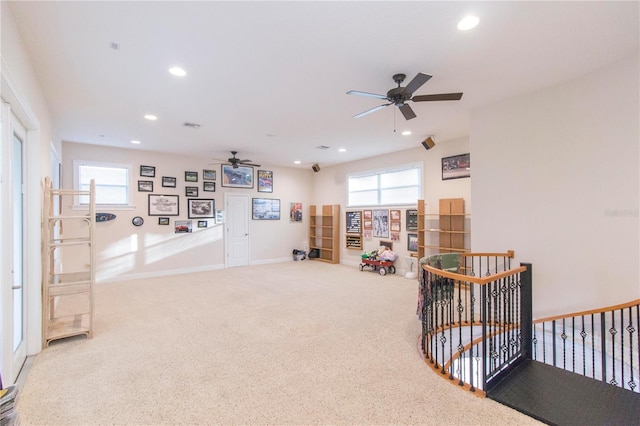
point(398, 186)
point(112, 181)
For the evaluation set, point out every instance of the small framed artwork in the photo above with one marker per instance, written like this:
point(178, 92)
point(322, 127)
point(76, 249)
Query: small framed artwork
point(164, 205)
point(394, 214)
point(456, 166)
point(191, 191)
point(202, 223)
point(208, 175)
point(163, 221)
point(239, 177)
point(295, 212)
point(412, 220)
point(182, 226)
point(266, 209)
point(168, 182)
point(366, 214)
point(145, 185)
point(209, 186)
point(265, 181)
point(191, 176)
point(395, 226)
point(201, 208)
point(147, 171)
point(381, 223)
point(412, 242)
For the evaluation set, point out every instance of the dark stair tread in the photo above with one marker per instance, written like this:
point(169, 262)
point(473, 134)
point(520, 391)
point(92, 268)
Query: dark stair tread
point(560, 397)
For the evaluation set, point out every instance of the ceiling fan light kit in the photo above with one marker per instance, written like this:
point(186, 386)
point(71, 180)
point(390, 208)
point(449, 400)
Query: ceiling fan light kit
point(398, 96)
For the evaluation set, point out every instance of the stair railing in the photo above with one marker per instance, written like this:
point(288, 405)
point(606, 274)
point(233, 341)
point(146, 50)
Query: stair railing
point(601, 343)
point(472, 317)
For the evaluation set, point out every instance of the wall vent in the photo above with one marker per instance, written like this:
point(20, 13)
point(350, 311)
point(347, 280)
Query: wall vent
point(192, 125)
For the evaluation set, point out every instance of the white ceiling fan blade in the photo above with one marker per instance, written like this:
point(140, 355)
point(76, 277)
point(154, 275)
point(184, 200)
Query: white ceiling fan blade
point(369, 111)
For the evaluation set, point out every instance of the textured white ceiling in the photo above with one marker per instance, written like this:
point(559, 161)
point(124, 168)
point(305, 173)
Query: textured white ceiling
point(269, 79)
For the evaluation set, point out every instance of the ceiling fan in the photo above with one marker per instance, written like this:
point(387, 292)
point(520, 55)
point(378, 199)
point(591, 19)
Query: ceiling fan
point(399, 95)
point(236, 162)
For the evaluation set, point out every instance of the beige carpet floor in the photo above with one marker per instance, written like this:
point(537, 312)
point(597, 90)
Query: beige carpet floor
point(291, 343)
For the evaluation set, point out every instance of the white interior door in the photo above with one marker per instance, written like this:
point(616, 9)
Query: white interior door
point(237, 230)
point(12, 291)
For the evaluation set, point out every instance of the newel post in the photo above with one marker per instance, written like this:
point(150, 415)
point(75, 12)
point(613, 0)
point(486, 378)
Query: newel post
point(526, 310)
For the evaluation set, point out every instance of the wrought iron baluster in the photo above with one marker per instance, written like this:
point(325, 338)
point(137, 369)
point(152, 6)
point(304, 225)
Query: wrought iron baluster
point(472, 298)
point(583, 334)
point(553, 341)
point(573, 344)
point(613, 333)
point(544, 344)
point(483, 319)
point(593, 347)
point(631, 329)
point(603, 350)
point(622, 347)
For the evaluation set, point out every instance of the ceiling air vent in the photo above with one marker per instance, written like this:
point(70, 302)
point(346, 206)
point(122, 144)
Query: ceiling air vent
point(192, 125)
point(322, 147)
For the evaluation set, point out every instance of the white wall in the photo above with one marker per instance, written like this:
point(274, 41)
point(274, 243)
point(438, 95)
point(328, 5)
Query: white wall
point(556, 178)
point(330, 187)
point(125, 251)
point(21, 90)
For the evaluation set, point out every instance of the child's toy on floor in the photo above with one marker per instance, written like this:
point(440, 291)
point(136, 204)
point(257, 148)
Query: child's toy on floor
point(381, 260)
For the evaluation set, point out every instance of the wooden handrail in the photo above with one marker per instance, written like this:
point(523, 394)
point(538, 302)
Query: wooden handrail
point(589, 312)
point(510, 254)
point(468, 278)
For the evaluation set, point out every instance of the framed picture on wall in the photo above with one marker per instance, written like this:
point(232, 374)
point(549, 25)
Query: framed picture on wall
point(145, 185)
point(265, 181)
point(456, 167)
point(412, 220)
point(168, 182)
point(412, 242)
point(191, 176)
point(265, 209)
point(209, 186)
point(148, 171)
point(163, 205)
point(201, 208)
point(239, 177)
point(381, 223)
point(208, 175)
point(191, 191)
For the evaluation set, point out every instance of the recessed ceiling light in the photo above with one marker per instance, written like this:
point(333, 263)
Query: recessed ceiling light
point(406, 133)
point(177, 71)
point(296, 162)
point(468, 22)
point(150, 117)
point(342, 150)
point(135, 142)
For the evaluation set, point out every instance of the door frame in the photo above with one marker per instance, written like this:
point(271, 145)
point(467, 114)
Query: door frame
point(14, 102)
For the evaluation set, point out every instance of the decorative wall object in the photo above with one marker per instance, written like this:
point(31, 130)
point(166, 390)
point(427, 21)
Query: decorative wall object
point(456, 166)
point(191, 176)
point(381, 223)
point(147, 171)
point(191, 191)
point(367, 224)
point(394, 215)
point(354, 222)
point(163, 221)
point(145, 185)
point(295, 212)
point(209, 186)
point(412, 220)
point(239, 177)
point(168, 182)
point(202, 224)
point(265, 181)
point(412, 242)
point(199, 208)
point(266, 209)
point(208, 175)
point(164, 205)
point(182, 226)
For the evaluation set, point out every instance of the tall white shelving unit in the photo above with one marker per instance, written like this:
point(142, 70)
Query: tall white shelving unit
point(68, 264)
